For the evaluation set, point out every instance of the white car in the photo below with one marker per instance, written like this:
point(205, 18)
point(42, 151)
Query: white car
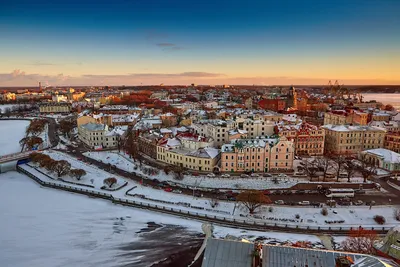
point(211, 175)
point(177, 191)
point(225, 176)
point(254, 175)
point(244, 175)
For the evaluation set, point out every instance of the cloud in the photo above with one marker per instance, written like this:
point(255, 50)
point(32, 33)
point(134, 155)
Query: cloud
point(21, 78)
point(41, 63)
point(165, 44)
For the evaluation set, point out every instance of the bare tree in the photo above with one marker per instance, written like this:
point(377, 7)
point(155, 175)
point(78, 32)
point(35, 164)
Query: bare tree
point(110, 181)
point(30, 142)
point(323, 164)
point(253, 199)
point(309, 167)
point(213, 202)
point(77, 173)
point(360, 241)
point(62, 167)
point(350, 168)
point(339, 162)
point(366, 166)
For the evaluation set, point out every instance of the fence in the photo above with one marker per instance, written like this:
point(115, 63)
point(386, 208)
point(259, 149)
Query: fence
point(224, 221)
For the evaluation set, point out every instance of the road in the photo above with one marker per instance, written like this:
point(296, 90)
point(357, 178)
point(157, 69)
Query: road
point(379, 198)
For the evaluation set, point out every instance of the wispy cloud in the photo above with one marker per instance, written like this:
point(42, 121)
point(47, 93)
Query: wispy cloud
point(165, 45)
point(169, 46)
point(41, 63)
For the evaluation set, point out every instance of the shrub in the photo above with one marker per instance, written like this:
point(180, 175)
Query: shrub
point(270, 209)
point(324, 211)
point(379, 219)
point(297, 216)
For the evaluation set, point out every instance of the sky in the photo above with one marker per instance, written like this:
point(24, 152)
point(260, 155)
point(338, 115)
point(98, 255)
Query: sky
point(135, 42)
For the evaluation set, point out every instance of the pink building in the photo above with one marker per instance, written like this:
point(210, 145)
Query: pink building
point(257, 155)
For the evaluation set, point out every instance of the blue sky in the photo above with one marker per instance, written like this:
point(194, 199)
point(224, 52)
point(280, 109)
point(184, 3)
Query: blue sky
point(162, 41)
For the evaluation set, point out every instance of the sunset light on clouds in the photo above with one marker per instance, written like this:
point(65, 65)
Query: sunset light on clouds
point(207, 42)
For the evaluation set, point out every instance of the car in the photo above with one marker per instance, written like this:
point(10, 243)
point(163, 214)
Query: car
point(267, 175)
point(358, 202)
point(254, 175)
point(222, 197)
point(280, 202)
point(232, 198)
point(243, 175)
point(287, 192)
point(225, 176)
point(156, 181)
point(304, 203)
point(211, 175)
point(267, 192)
point(177, 191)
point(168, 189)
point(80, 159)
point(278, 192)
point(161, 185)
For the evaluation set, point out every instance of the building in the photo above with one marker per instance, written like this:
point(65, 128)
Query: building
point(148, 144)
point(342, 139)
point(392, 141)
point(391, 126)
point(272, 104)
point(308, 139)
point(53, 107)
point(256, 128)
point(341, 117)
point(190, 151)
point(98, 136)
point(383, 158)
point(390, 245)
point(218, 130)
point(227, 253)
point(248, 103)
point(257, 155)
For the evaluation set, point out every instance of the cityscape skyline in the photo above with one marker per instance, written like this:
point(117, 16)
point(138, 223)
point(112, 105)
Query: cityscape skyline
point(179, 42)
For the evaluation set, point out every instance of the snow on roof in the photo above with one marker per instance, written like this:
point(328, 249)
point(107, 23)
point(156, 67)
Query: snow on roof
point(385, 154)
point(165, 130)
point(212, 152)
point(173, 142)
point(93, 126)
point(349, 128)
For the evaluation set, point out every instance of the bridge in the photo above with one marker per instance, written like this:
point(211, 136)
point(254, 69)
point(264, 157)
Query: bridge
point(15, 156)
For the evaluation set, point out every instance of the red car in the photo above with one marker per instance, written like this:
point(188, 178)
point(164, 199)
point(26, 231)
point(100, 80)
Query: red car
point(168, 189)
point(266, 192)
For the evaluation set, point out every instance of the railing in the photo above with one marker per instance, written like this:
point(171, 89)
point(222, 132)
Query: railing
point(13, 156)
point(226, 221)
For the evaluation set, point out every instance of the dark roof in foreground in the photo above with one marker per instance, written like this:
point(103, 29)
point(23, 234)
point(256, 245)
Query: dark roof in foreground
point(281, 256)
point(227, 253)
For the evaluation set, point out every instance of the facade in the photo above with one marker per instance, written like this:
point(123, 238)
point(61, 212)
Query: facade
point(97, 136)
point(308, 139)
point(188, 151)
point(248, 103)
point(257, 155)
point(341, 117)
point(55, 108)
point(218, 130)
point(383, 158)
point(148, 144)
point(340, 139)
point(392, 141)
point(272, 104)
point(256, 128)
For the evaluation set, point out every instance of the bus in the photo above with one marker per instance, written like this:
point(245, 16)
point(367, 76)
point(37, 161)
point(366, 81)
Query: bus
point(343, 192)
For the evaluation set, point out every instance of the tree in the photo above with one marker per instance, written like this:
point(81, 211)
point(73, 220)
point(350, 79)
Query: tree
point(131, 143)
point(47, 162)
point(30, 142)
point(323, 164)
point(66, 126)
point(360, 241)
point(366, 166)
point(350, 168)
point(309, 167)
point(253, 199)
point(36, 127)
point(77, 173)
point(340, 161)
point(110, 181)
point(212, 115)
point(61, 167)
point(178, 172)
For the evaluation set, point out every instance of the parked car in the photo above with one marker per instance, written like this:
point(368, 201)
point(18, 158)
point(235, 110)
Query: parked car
point(211, 175)
point(254, 175)
point(267, 192)
point(156, 181)
point(168, 189)
point(177, 191)
point(287, 192)
point(280, 202)
point(358, 202)
point(243, 175)
point(267, 175)
point(232, 198)
point(304, 203)
point(225, 176)
point(161, 185)
point(300, 192)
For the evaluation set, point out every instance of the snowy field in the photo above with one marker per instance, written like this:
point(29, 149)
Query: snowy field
point(94, 176)
point(124, 163)
point(11, 133)
point(48, 227)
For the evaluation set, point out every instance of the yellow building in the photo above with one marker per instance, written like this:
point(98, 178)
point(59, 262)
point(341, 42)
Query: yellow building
point(346, 139)
point(55, 108)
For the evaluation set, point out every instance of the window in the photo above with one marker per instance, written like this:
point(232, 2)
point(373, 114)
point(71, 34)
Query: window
point(287, 157)
point(276, 156)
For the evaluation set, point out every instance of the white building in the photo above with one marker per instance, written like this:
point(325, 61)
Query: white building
point(97, 136)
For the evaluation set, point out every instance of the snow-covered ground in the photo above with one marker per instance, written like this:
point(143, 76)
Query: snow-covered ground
point(94, 176)
point(11, 133)
point(46, 227)
point(123, 162)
